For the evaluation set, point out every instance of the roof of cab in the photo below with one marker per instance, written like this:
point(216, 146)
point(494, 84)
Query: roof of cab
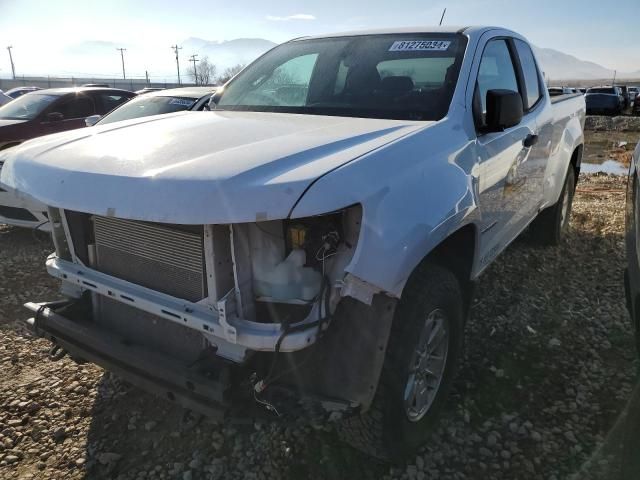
point(404, 30)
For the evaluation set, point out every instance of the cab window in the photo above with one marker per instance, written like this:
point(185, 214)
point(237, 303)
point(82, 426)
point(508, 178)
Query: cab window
point(496, 73)
point(530, 74)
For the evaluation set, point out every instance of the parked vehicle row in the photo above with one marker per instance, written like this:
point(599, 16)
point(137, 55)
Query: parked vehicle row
point(310, 245)
point(55, 110)
point(158, 102)
point(604, 100)
point(555, 91)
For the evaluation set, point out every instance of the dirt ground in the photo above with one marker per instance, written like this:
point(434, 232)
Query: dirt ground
point(549, 367)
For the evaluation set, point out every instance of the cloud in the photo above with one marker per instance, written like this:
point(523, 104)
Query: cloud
point(297, 16)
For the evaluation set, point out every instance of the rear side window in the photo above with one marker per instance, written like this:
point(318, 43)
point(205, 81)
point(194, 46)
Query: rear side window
point(496, 73)
point(79, 106)
point(610, 91)
point(107, 101)
point(530, 73)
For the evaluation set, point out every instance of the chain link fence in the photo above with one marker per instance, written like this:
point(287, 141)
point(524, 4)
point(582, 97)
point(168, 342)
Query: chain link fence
point(131, 84)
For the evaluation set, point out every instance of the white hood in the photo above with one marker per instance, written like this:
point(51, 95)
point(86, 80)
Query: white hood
point(193, 167)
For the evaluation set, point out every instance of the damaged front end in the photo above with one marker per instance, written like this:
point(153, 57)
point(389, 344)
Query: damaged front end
point(223, 319)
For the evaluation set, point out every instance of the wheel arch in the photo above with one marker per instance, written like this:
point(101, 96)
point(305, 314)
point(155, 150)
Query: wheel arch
point(576, 160)
point(456, 252)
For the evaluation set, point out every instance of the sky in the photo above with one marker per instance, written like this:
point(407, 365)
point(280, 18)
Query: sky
point(79, 37)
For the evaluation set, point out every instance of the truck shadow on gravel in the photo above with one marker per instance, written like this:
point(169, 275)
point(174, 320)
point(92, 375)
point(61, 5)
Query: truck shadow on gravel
point(133, 432)
point(549, 366)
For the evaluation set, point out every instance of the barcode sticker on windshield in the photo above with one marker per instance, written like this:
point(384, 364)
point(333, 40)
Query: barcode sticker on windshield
point(181, 101)
point(420, 45)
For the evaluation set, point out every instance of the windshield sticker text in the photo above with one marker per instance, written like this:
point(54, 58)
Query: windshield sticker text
point(419, 45)
point(181, 101)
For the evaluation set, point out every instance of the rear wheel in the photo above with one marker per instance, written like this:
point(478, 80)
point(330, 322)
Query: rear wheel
point(420, 364)
point(553, 222)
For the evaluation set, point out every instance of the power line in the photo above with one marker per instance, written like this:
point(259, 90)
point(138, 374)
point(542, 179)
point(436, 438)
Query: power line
point(13, 68)
point(176, 48)
point(193, 59)
point(442, 17)
point(122, 50)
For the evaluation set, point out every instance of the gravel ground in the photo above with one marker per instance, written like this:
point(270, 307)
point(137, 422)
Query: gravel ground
point(620, 123)
point(549, 367)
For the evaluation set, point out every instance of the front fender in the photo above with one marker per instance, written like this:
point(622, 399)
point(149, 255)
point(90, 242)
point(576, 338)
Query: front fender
point(411, 201)
point(572, 138)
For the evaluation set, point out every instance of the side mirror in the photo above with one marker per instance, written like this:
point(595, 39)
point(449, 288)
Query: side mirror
point(92, 120)
point(504, 109)
point(55, 117)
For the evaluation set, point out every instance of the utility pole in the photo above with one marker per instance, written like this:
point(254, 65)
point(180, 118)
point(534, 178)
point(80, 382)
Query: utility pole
point(615, 72)
point(146, 74)
point(122, 50)
point(193, 59)
point(442, 17)
point(176, 48)
point(13, 68)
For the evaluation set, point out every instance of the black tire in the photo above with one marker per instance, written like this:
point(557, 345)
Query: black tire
point(385, 431)
point(551, 225)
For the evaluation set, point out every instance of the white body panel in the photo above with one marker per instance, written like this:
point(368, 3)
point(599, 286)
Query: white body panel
point(15, 199)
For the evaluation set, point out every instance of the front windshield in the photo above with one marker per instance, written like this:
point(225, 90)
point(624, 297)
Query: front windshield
point(408, 76)
point(26, 107)
point(145, 106)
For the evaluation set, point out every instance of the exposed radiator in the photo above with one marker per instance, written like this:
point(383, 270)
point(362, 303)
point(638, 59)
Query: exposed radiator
point(165, 258)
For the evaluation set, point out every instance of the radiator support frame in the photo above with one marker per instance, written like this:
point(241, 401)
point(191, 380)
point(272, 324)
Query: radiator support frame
point(201, 316)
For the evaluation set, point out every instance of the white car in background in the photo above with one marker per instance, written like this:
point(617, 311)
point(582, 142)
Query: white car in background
point(20, 210)
point(23, 211)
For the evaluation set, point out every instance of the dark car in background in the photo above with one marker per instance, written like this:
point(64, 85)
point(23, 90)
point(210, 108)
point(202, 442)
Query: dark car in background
point(624, 91)
point(55, 110)
point(19, 91)
point(604, 100)
point(158, 103)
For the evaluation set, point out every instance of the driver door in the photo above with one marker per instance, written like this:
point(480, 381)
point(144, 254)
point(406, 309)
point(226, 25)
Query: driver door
point(503, 157)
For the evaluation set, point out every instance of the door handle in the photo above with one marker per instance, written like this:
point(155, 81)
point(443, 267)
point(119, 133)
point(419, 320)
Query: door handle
point(530, 140)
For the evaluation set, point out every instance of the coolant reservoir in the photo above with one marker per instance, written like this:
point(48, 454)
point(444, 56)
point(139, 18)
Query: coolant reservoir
point(288, 280)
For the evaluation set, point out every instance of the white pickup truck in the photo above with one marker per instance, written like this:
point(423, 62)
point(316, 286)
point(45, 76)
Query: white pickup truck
point(309, 246)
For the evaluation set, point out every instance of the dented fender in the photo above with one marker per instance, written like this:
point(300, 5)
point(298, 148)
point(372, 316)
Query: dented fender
point(411, 199)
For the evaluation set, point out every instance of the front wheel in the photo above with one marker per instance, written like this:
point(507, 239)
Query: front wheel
point(424, 348)
point(553, 222)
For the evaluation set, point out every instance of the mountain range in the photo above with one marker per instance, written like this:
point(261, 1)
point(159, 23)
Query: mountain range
point(556, 64)
point(561, 66)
